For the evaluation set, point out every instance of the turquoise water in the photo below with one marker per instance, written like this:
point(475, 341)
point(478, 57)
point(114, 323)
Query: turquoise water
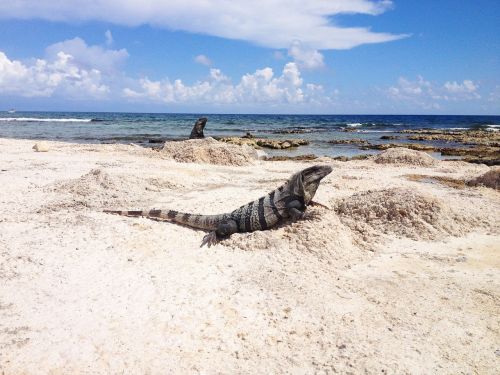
point(89, 127)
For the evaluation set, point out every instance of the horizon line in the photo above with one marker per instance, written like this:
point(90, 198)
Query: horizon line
point(253, 114)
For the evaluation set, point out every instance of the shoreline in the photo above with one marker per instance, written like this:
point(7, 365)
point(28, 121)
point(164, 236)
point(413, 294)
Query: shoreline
point(475, 146)
point(401, 274)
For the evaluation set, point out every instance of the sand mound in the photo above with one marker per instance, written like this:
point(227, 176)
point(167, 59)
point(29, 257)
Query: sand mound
point(209, 151)
point(406, 157)
point(489, 179)
point(321, 235)
point(325, 237)
point(97, 190)
point(401, 212)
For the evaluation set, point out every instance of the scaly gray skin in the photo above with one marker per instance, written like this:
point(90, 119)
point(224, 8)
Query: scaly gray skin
point(197, 131)
point(288, 201)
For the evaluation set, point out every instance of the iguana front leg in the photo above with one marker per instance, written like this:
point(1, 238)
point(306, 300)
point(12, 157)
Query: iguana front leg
point(296, 209)
point(224, 230)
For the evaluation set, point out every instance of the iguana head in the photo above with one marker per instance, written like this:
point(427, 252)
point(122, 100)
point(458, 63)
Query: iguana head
point(305, 183)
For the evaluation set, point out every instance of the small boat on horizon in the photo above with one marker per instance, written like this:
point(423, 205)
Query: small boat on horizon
point(12, 110)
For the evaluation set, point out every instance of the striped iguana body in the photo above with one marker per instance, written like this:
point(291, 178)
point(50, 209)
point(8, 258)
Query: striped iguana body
point(288, 201)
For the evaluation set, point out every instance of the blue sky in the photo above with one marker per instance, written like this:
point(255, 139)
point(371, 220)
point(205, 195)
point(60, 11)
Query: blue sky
point(274, 56)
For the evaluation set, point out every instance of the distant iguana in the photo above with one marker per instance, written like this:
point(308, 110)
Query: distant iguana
point(288, 201)
point(197, 131)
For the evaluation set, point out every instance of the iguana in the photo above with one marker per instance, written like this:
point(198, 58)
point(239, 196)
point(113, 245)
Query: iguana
point(197, 131)
point(288, 201)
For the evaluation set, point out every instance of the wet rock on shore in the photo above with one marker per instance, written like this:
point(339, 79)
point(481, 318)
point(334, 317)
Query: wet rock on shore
point(470, 137)
point(277, 144)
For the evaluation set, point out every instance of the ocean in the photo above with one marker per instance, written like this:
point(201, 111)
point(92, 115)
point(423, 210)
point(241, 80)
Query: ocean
point(141, 128)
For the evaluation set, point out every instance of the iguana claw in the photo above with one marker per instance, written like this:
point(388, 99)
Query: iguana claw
point(316, 204)
point(209, 239)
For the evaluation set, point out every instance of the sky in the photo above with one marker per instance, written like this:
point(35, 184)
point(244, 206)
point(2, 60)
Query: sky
point(260, 56)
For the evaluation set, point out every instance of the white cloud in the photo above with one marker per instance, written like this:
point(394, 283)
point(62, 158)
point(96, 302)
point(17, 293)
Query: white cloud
point(466, 86)
point(89, 57)
point(426, 94)
point(262, 86)
point(305, 57)
point(70, 69)
point(494, 96)
point(45, 78)
point(465, 90)
point(109, 37)
point(273, 23)
point(203, 60)
point(73, 69)
point(406, 89)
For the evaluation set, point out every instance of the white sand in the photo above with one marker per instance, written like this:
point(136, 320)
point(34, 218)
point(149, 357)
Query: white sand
point(398, 277)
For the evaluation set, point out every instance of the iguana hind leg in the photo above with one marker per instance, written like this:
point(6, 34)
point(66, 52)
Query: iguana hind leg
point(224, 230)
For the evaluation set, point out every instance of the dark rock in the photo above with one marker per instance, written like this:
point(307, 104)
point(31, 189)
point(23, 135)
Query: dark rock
point(277, 144)
point(290, 131)
point(411, 146)
point(248, 135)
point(355, 157)
point(360, 157)
point(341, 158)
point(198, 127)
point(349, 130)
point(491, 161)
point(281, 144)
point(156, 140)
point(479, 151)
point(296, 158)
point(348, 141)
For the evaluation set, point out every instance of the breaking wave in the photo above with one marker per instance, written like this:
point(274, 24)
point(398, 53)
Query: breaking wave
point(36, 119)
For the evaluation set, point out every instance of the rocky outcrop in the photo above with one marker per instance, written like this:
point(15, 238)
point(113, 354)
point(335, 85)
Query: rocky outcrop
point(386, 146)
point(277, 144)
point(490, 161)
point(355, 157)
point(348, 141)
point(291, 131)
point(483, 151)
point(471, 137)
point(488, 155)
point(294, 158)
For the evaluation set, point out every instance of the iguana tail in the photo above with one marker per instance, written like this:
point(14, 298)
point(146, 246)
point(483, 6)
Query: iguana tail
point(205, 222)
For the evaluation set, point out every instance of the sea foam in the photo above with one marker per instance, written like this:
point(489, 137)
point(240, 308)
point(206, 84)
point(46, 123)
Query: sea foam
point(35, 119)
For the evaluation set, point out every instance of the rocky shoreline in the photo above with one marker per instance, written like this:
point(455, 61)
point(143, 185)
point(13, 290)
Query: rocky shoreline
point(481, 146)
point(471, 145)
point(474, 146)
